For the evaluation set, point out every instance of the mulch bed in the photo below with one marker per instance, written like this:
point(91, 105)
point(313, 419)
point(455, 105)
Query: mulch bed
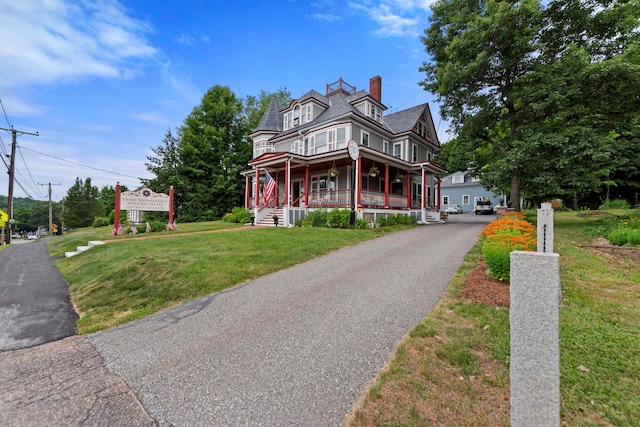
point(478, 286)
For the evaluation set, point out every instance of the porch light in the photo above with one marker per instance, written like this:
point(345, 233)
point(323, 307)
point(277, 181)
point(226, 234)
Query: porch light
point(373, 171)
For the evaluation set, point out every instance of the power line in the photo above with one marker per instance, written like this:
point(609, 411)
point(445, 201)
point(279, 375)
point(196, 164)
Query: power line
point(5, 113)
point(23, 189)
point(12, 167)
point(28, 171)
point(4, 150)
point(80, 164)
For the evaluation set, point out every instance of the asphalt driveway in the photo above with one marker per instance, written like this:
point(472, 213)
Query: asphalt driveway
point(296, 347)
point(35, 307)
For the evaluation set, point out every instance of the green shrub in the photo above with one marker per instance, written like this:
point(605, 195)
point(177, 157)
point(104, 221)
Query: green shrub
point(496, 254)
point(158, 226)
point(317, 218)
point(615, 204)
point(633, 237)
point(393, 219)
point(361, 223)
point(112, 216)
point(101, 221)
point(339, 218)
point(621, 236)
point(238, 215)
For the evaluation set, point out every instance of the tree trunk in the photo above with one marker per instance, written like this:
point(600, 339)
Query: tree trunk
point(515, 193)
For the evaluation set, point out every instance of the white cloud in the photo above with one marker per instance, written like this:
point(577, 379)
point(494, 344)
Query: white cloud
point(20, 108)
point(205, 39)
point(149, 117)
point(54, 41)
point(325, 17)
point(182, 83)
point(186, 39)
point(395, 17)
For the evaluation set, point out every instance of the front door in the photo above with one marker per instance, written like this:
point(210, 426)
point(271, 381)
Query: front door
point(298, 190)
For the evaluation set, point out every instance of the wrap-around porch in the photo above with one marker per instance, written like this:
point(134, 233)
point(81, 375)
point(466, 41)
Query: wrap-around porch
point(381, 185)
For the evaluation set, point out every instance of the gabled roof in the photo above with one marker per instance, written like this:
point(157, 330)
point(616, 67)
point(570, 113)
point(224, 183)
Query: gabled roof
point(405, 120)
point(312, 94)
point(340, 105)
point(272, 119)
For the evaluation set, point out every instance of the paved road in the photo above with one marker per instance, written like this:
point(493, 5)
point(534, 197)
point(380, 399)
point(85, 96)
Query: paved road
point(296, 347)
point(34, 298)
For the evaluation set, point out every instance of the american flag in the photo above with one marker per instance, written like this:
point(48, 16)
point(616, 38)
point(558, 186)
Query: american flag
point(268, 189)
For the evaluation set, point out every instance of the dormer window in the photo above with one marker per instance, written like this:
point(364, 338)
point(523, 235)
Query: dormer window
point(374, 112)
point(296, 115)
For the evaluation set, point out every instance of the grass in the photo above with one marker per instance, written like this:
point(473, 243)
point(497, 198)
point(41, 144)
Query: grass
point(131, 278)
point(70, 241)
point(452, 369)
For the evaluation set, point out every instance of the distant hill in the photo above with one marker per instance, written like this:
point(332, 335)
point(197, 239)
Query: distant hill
point(18, 202)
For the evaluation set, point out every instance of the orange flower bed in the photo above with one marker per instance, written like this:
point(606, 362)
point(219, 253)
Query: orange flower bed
point(501, 237)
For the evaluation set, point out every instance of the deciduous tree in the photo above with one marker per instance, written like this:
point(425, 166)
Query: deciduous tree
point(542, 96)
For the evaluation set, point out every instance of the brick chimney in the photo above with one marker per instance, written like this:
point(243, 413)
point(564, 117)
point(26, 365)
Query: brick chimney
point(375, 88)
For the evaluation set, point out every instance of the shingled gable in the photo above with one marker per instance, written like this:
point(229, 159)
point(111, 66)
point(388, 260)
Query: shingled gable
point(406, 120)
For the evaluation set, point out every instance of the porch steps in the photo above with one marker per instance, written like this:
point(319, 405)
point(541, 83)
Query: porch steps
point(267, 221)
point(83, 248)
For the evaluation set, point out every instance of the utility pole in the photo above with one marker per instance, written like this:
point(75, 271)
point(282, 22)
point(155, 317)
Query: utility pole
point(50, 208)
point(12, 169)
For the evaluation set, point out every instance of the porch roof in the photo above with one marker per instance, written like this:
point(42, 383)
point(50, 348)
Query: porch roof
point(277, 160)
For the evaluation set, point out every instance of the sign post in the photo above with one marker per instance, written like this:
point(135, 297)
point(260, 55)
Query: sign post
point(354, 153)
point(142, 200)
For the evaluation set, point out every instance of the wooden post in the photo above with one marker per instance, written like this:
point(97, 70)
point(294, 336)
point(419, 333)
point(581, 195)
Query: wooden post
point(116, 216)
point(171, 204)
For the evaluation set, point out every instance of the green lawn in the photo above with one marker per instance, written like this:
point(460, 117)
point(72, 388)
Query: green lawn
point(130, 278)
point(457, 372)
point(70, 241)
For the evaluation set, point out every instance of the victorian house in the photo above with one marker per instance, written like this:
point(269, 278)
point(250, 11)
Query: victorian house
point(301, 159)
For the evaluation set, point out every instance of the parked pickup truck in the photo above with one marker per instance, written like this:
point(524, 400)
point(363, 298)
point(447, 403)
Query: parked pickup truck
point(482, 205)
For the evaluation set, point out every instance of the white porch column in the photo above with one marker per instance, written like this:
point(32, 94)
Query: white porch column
point(423, 205)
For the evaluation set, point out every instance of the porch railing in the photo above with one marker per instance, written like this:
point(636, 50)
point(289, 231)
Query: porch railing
point(370, 198)
point(330, 198)
point(397, 201)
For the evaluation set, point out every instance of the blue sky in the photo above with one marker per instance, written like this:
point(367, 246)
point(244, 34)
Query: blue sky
point(103, 80)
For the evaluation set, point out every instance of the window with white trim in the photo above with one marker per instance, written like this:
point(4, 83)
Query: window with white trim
point(365, 139)
point(331, 140)
point(385, 147)
point(296, 115)
point(374, 112)
point(341, 137)
point(306, 116)
point(296, 147)
point(466, 199)
point(414, 153)
point(445, 200)
point(457, 179)
point(397, 150)
point(310, 145)
point(286, 119)
point(422, 129)
point(416, 191)
point(321, 143)
point(428, 194)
